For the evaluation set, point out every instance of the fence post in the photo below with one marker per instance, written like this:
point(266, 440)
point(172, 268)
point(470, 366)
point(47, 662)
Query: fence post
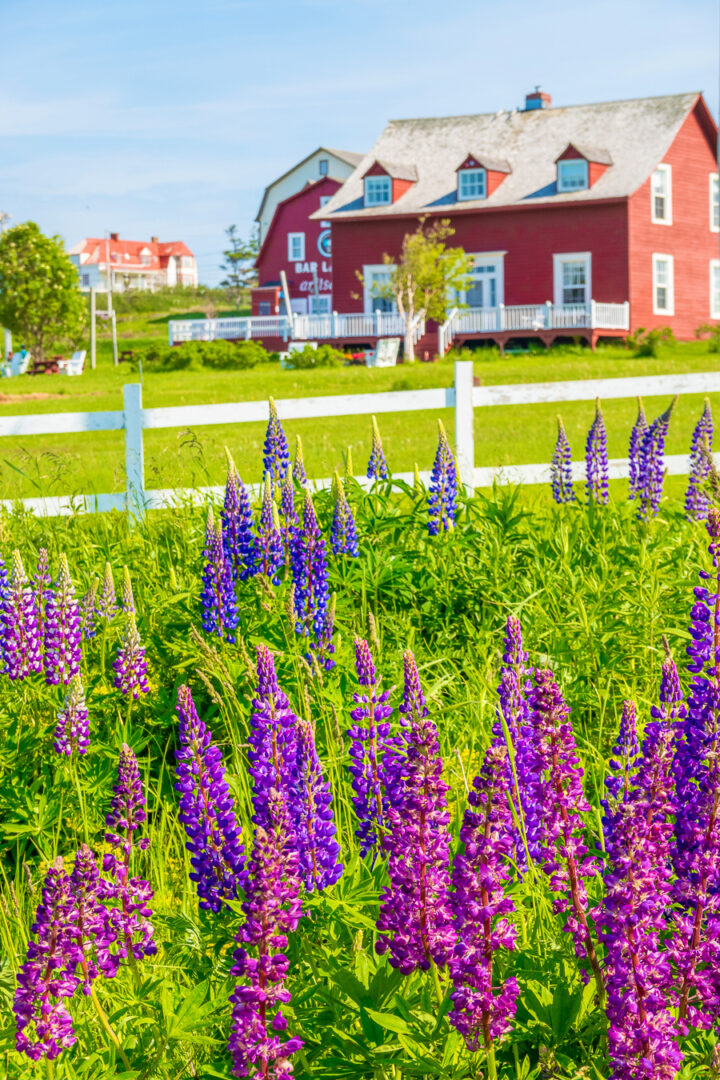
point(626, 305)
point(549, 310)
point(501, 316)
point(464, 418)
point(593, 315)
point(134, 457)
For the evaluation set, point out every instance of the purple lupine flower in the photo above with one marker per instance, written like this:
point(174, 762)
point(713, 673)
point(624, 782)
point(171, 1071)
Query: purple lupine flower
point(92, 926)
point(415, 920)
point(560, 803)
point(44, 1026)
point(635, 452)
point(596, 460)
point(107, 600)
point(343, 534)
point(4, 581)
point(272, 739)
point(237, 526)
point(308, 562)
point(312, 814)
point(561, 480)
point(272, 909)
point(88, 612)
point(207, 810)
point(62, 630)
point(443, 493)
point(18, 618)
point(483, 1005)
point(696, 500)
point(623, 754)
point(323, 649)
point(219, 603)
point(377, 465)
point(371, 752)
point(130, 664)
point(276, 456)
point(41, 593)
point(270, 541)
point(288, 512)
point(514, 710)
point(72, 732)
point(298, 469)
point(652, 464)
point(130, 918)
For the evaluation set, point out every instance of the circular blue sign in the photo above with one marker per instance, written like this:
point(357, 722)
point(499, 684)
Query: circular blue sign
point(325, 244)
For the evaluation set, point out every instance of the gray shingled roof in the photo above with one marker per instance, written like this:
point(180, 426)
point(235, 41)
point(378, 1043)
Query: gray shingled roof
point(635, 134)
point(345, 155)
point(397, 170)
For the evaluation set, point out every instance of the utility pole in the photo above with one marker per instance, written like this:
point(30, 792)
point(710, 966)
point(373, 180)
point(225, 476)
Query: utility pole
point(93, 331)
point(108, 272)
point(4, 218)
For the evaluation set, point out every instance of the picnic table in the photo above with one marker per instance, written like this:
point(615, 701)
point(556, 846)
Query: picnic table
point(50, 365)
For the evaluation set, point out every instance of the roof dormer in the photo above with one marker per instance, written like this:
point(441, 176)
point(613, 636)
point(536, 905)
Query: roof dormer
point(479, 175)
point(578, 167)
point(384, 183)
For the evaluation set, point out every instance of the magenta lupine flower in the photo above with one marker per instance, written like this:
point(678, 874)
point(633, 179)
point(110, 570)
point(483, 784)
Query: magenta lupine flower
point(270, 542)
point(596, 460)
point(298, 468)
point(696, 500)
point(308, 561)
point(276, 455)
point(41, 592)
point(635, 452)
point(288, 513)
point(18, 618)
point(377, 465)
point(560, 803)
point(623, 754)
point(415, 918)
point(92, 927)
point(130, 665)
point(87, 608)
point(443, 493)
point(272, 740)
point(652, 464)
point(312, 815)
point(130, 917)
point(237, 526)
point(62, 630)
point(72, 731)
point(373, 754)
point(207, 810)
point(514, 710)
point(483, 1003)
point(272, 911)
point(44, 1026)
point(561, 480)
point(107, 607)
point(343, 534)
point(218, 600)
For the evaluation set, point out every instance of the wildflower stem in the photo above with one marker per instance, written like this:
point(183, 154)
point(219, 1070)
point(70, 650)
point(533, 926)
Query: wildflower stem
point(108, 1028)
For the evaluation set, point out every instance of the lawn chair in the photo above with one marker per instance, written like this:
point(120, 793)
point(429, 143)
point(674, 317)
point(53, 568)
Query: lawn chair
point(295, 346)
point(75, 365)
point(386, 353)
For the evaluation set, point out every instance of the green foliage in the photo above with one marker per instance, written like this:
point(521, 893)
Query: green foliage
point(711, 332)
point(324, 356)
point(194, 355)
point(175, 298)
point(40, 300)
point(239, 262)
point(650, 342)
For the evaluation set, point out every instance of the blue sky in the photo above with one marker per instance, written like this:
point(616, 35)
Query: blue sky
point(168, 118)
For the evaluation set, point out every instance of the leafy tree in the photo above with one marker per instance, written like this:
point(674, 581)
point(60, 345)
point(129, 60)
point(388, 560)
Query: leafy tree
point(239, 264)
point(425, 277)
point(40, 298)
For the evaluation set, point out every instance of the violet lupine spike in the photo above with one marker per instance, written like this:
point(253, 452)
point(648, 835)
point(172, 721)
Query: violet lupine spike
point(323, 648)
point(299, 463)
point(561, 480)
point(272, 740)
point(377, 465)
point(308, 561)
point(92, 927)
point(207, 810)
point(416, 918)
point(312, 813)
point(219, 603)
point(272, 909)
point(62, 630)
point(652, 464)
point(4, 580)
point(373, 754)
point(130, 665)
point(88, 612)
point(443, 493)
point(128, 898)
point(513, 709)
point(18, 619)
point(271, 553)
point(276, 455)
point(623, 755)
point(343, 534)
point(44, 1026)
point(72, 731)
point(635, 452)
point(237, 526)
point(288, 512)
point(107, 607)
point(483, 1006)
point(41, 592)
point(596, 460)
point(697, 503)
point(560, 803)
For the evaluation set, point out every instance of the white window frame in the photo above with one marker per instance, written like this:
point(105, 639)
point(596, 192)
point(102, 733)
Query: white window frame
point(387, 180)
point(559, 259)
point(497, 257)
point(572, 187)
point(300, 237)
point(714, 268)
point(324, 200)
point(463, 174)
point(714, 201)
point(368, 295)
point(320, 304)
point(668, 219)
point(670, 308)
point(323, 171)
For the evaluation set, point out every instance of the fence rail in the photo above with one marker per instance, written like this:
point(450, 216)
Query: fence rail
point(463, 397)
point(333, 325)
point(532, 318)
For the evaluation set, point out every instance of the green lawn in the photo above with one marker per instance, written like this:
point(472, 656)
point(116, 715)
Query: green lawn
point(504, 435)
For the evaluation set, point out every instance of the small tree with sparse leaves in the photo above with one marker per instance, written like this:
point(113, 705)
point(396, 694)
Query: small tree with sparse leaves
point(239, 263)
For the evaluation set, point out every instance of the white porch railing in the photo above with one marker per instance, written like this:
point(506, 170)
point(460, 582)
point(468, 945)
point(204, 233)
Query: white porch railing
point(352, 326)
point(531, 318)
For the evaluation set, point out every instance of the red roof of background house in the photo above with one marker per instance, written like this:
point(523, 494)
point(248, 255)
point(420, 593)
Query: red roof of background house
point(127, 253)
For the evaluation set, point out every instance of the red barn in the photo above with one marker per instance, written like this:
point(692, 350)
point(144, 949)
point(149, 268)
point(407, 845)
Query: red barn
point(586, 220)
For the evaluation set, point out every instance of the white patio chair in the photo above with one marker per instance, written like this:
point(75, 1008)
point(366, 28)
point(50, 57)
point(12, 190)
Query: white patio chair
point(75, 365)
point(21, 364)
point(386, 353)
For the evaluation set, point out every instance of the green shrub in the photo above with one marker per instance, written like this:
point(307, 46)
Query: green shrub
point(323, 356)
point(221, 355)
point(649, 342)
point(711, 331)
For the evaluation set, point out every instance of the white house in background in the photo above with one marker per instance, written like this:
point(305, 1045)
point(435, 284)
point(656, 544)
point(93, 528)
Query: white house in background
point(336, 164)
point(134, 264)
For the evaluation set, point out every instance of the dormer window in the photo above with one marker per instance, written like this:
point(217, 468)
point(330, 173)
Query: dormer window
point(572, 174)
point(580, 167)
point(386, 182)
point(472, 184)
point(378, 190)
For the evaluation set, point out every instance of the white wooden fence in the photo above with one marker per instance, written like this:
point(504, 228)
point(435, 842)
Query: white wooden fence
point(463, 397)
point(532, 318)
point(333, 325)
